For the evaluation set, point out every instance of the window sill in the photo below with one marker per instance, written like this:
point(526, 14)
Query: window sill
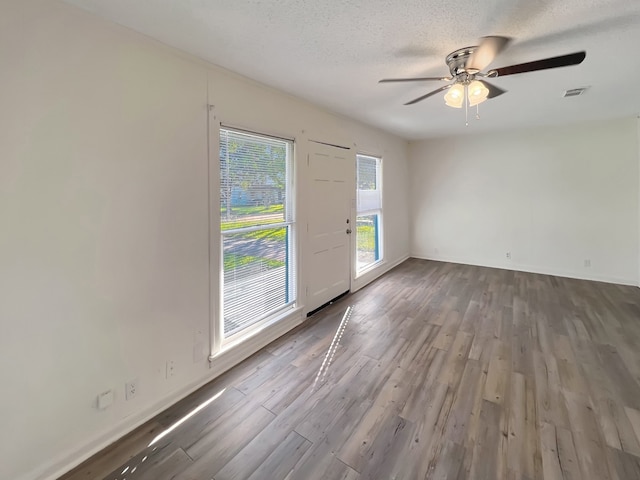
point(259, 336)
point(369, 268)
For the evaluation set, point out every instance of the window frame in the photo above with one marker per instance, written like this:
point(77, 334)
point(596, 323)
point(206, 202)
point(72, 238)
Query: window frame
point(289, 223)
point(359, 271)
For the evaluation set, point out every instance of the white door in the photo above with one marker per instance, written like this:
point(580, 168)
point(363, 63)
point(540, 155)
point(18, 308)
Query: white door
point(330, 174)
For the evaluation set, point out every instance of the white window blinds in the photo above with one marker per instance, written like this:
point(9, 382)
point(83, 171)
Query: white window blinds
point(369, 192)
point(256, 228)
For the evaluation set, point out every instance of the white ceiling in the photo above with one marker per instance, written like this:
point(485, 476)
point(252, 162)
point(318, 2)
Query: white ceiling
point(333, 52)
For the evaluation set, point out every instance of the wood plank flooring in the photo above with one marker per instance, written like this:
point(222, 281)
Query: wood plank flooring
point(434, 371)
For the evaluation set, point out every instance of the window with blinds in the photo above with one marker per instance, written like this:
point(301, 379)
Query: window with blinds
point(256, 228)
point(369, 212)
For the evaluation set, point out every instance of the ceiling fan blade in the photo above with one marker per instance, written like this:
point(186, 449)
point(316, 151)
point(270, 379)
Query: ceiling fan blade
point(553, 62)
point(484, 54)
point(493, 90)
point(419, 99)
point(418, 79)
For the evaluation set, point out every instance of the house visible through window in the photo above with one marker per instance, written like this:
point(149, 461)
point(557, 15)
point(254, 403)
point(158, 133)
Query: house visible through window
point(369, 212)
point(256, 228)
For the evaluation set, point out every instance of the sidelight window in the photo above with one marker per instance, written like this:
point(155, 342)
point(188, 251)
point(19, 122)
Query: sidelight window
point(369, 212)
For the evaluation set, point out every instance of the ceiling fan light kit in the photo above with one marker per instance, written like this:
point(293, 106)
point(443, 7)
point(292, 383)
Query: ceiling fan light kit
point(455, 96)
point(474, 91)
point(477, 93)
point(466, 64)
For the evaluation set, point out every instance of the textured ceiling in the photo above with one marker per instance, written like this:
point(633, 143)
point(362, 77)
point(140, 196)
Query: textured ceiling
point(333, 52)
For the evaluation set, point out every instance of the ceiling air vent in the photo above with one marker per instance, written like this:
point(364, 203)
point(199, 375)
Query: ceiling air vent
point(574, 92)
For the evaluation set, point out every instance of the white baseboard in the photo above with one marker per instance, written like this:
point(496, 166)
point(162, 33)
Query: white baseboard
point(544, 270)
point(218, 365)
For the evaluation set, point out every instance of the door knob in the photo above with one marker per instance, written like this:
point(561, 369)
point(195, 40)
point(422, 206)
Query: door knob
point(348, 231)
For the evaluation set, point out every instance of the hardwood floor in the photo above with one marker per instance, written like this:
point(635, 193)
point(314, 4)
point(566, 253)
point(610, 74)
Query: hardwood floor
point(435, 371)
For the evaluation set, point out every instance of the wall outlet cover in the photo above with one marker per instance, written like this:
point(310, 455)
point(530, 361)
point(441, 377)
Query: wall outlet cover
point(171, 368)
point(131, 389)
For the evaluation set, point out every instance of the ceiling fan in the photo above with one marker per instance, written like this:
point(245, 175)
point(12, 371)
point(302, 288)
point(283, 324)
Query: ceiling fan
point(467, 64)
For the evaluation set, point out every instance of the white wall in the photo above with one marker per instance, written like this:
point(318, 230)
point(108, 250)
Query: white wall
point(553, 197)
point(104, 222)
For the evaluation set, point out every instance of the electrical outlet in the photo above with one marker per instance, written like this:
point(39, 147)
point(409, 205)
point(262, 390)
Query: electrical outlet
point(171, 368)
point(587, 263)
point(509, 255)
point(131, 389)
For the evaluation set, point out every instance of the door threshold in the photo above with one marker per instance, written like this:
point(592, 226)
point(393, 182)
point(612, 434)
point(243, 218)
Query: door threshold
point(333, 300)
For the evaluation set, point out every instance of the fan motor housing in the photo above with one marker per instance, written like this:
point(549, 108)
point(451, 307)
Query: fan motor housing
point(457, 60)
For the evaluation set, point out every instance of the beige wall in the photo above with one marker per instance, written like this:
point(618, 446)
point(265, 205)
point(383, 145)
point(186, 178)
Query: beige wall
point(104, 272)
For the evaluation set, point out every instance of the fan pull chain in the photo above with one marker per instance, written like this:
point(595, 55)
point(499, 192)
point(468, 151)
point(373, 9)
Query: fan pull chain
point(478, 112)
point(466, 106)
